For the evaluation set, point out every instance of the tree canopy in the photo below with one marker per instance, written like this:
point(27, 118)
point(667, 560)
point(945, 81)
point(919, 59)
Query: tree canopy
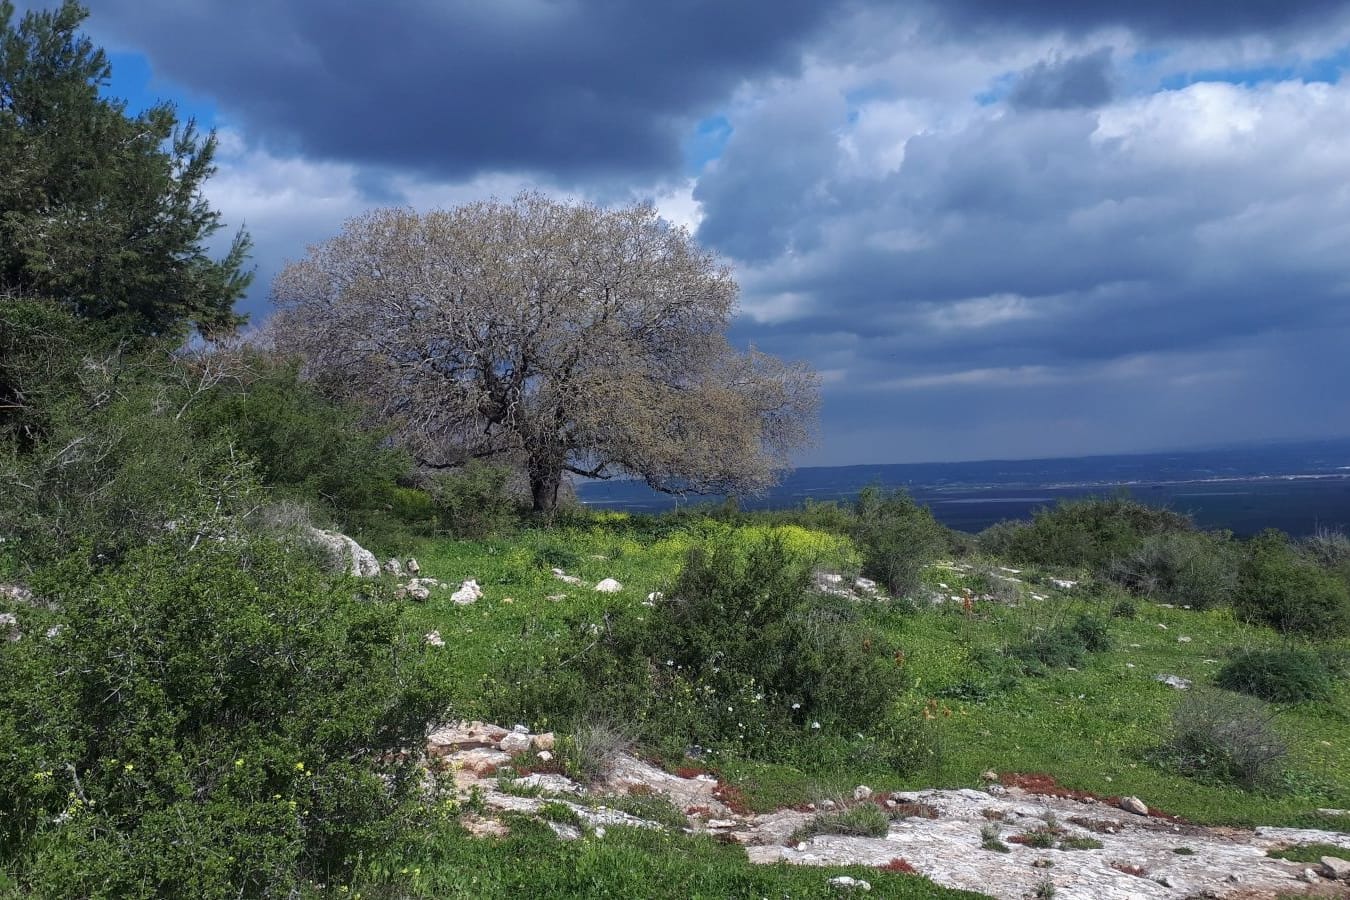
point(566, 337)
point(100, 209)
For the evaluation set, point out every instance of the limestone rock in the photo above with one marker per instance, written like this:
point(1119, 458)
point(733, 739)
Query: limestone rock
point(552, 784)
point(345, 554)
point(849, 883)
point(862, 792)
point(9, 626)
point(609, 586)
point(393, 567)
point(469, 592)
point(1335, 868)
point(515, 742)
point(1134, 805)
point(434, 639)
point(412, 566)
point(544, 756)
point(415, 591)
point(1174, 681)
point(565, 578)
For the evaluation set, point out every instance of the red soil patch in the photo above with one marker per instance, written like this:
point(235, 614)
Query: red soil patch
point(1046, 786)
point(733, 797)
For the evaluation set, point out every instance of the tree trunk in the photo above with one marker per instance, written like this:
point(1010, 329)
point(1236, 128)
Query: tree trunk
point(545, 479)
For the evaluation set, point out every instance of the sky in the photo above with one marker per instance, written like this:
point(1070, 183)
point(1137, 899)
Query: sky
point(996, 229)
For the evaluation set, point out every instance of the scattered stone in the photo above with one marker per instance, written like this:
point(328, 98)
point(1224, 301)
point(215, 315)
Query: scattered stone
point(1162, 626)
point(554, 598)
point(17, 593)
point(862, 792)
point(609, 586)
point(1174, 681)
point(1333, 812)
point(989, 775)
point(1063, 583)
point(434, 639)
point(545, 741)
point(393, 567)
point(415, 591)
point(469, 592)
point(865, 584)
point(10, 624)
point(1335, 868)
point(565, 832)
point(1183, 640)
point(412, 567)
point(515, 742)
point(1308, 875)
point(564, 577)
point(654, 598)
point(544, 756)
point(849, 883)
point(1134, 805)
point(553, 784)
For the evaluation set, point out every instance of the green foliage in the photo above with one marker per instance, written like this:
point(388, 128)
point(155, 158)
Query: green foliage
point(1283, 589)
point(897, 537)
point(475, 500)
point(100, 209)
point(1308, 853)
point(1184, 568)
point(1226, 737)
point(211, 723)
point(1280, 676)
point(863, 820)
point(303, 444)
point(1064, 646)
point(1089, 533)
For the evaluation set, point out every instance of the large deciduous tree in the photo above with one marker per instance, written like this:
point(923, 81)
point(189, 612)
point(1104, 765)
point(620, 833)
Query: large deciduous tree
point(100, 209)
point(565, 337)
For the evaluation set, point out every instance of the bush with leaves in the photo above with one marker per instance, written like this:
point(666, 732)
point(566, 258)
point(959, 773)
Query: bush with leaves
point(1285, 675)
point(898, 537)
point(1226, 737)
point(1184, 568)
point(1089, 533)
point(209, 722)
point(1284, 589)
point(476, 500)
point(1063, 646)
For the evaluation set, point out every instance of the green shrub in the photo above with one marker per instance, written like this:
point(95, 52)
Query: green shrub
point(1283, 589)
point(1195, 569)
point(1280, 676)
point(1226, 737)
point(863, 820)
point(475, 501)
point(208, 723)
point(1063, 646)
point(1088, 533)
point(898, 537)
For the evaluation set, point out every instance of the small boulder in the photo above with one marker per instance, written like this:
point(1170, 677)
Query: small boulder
point(9, 625)
point(344, 553)
point(849, 883)
point(469, 592)
point(416, 591)
point(434, 639)
point(515, 742)
point(393, 567)
point(565, 578)
point(609, 586)
point(544, 756)
point(1335, 868)
point(412, 566)
point(1134, 805)
point(1175, 682)
point(862, 792)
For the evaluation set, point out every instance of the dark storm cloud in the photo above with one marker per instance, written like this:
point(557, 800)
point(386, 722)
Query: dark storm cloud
point(1153, 18)
point(452, 88)
point(1074, 83)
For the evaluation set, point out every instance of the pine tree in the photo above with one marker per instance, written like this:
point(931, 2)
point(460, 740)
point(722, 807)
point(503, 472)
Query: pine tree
point(101, 210)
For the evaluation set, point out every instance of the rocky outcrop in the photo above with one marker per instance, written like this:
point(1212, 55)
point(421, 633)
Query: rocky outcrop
point(345, 554)
point(1117, 850)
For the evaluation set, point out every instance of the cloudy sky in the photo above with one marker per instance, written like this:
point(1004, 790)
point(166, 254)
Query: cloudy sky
point(997, 229)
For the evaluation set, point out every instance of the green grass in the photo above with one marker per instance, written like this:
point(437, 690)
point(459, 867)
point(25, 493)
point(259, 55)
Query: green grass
point(624, 863)
point(1093, 729)
point(1309, 853)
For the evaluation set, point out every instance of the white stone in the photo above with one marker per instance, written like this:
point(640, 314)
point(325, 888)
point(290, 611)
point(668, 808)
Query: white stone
point(469, 592)
point(609, 586)
point(564, 577)
point(862, 792)
point(515, 742)
point(1174, 681)
point(393, 567)
point(434, 639)
point(850, 883)
point(1183, 640)
point(1063, 583)
point(544, 756)
point(345, 553)
point(1335, 868)
point(412, 566)
point(1134, 805)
